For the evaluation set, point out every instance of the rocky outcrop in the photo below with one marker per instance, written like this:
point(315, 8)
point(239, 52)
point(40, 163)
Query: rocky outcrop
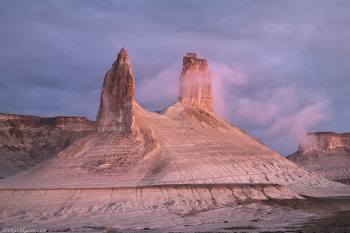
point(28, 140)
point(326, 153)
point(195, 83)
point(116, 111)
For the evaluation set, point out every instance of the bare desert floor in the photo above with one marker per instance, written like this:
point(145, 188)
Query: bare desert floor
point(181, 209)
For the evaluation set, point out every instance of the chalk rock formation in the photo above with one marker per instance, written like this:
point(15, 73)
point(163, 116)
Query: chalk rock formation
point(195, 83)
point(183, 144)
point(325, 153)
point(117, 98)
point(28, 140)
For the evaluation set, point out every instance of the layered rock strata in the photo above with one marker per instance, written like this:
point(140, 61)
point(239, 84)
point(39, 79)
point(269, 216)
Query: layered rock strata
point(28, 140)
point(326, 153)
point(195, 83)
point(116, 111)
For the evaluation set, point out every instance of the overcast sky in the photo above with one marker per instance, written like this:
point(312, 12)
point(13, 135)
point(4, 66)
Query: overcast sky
point(279, 68)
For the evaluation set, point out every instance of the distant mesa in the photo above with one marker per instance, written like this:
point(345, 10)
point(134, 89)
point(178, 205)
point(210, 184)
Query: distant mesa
point(326, 153)
point(195, 83)
point(116, 112)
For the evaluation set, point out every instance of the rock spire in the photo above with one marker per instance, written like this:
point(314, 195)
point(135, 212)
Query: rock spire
point(117, 98)
point(195, 83)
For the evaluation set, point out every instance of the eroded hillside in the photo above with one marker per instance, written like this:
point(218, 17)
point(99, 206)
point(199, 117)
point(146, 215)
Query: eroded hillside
point(28, 140)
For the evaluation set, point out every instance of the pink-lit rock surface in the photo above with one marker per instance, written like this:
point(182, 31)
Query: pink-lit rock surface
point(117, 98)
point(326, 153)
point(195, 83)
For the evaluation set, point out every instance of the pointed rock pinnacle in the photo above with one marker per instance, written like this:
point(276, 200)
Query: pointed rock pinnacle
point(195, 83)
point(117, 98)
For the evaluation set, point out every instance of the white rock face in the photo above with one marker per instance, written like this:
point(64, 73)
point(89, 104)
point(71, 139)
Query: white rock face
point(324, 141)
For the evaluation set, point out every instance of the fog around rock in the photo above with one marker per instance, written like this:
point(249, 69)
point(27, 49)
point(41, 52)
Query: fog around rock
point(281, 68)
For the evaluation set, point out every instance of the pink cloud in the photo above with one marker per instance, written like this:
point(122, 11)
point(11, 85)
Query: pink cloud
point(284, 110)
point(162, 87)
point(223, 76)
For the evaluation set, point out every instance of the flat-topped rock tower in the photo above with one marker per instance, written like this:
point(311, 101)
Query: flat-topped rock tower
point(195, 83)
